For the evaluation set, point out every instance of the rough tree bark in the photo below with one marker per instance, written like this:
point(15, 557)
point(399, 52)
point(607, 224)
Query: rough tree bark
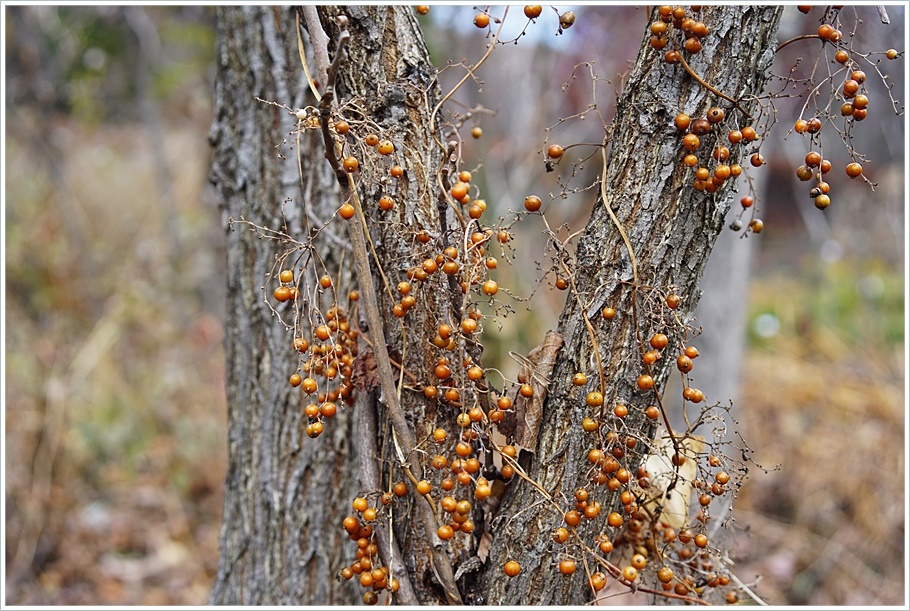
point(286, 494)
point(671, 228)
point(280, 493)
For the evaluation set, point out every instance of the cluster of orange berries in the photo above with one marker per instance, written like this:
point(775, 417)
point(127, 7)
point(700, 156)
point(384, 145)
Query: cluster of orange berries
point(367, 566)
point(460, 192)
point(688, 550)
point(815, 167)
point(330, 356)
point(351, 164)
point(286, 290)
point(695, 130)
point(854, 107)
point(457, 477)
point(454, 474)
point(447, 387)
point(633, 527)
point(678, 19)
point(470, 271)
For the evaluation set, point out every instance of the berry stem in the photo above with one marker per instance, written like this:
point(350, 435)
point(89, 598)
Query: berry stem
point(635, 282)
point(320, 43)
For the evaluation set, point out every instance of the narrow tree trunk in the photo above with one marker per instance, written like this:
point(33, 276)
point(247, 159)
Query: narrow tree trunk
point(286, 494)
point(671, 228)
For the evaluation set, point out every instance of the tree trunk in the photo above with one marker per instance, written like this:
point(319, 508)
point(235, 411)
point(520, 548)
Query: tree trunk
point(278, 541)
point(286, 494)
point(671, 228)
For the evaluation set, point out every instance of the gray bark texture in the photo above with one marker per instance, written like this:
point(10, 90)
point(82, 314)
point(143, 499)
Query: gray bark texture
point(286, 494)
point(672, 229)
point(281, 493)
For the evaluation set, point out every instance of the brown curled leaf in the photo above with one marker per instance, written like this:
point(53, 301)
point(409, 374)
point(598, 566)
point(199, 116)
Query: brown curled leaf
point(535, 370)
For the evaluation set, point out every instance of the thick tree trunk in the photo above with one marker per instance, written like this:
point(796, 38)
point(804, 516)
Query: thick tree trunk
point(286, 494)
point(278, 537)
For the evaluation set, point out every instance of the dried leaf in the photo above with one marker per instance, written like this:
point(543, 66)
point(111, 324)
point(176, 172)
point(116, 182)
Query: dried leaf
point(536, 372)
point(483, 546)
point(364, 375)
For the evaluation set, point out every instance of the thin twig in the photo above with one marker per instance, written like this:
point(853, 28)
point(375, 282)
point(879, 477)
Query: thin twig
point(442, 566)
point(796, 38)
point(357, 230)
point(325, 103)
point(710, 88)
point(635, 282)
point(470, 73)
point(320, 42)
point(883, 14)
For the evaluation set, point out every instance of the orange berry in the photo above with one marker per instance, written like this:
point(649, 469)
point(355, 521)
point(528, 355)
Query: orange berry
point(715, 114)
point(459, 190)
point(659, 341)
point(598, 581)
point(854, 170)
point(567, 566)
point(691, 142)
point(445, 532)
point(346, 211)
point(645, 382)
point(350, 164)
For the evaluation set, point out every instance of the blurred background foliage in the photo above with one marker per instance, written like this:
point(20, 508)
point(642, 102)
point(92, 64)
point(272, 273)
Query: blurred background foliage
point(115, 411)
